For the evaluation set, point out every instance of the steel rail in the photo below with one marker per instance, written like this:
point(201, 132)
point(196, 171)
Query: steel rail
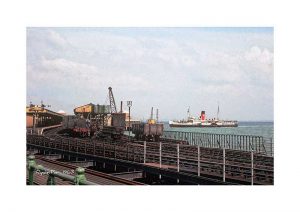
point(188, 154)
point(92, 172)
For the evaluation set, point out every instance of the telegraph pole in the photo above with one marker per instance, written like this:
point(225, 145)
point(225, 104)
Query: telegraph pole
point(129, 104)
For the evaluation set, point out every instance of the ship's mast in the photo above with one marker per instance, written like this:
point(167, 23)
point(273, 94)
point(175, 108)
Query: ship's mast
point(218, 112)
point(151, 116)
point(188, 112)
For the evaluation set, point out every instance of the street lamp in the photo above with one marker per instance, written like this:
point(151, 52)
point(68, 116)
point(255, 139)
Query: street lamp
point(129, 104)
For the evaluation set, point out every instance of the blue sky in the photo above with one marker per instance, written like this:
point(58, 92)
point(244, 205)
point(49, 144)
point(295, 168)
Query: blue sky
point(167, 68)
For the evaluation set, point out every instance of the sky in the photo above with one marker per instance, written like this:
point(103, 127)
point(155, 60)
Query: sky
point(166, 68)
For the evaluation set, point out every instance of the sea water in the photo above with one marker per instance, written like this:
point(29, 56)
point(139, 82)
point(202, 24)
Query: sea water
point(265, 129)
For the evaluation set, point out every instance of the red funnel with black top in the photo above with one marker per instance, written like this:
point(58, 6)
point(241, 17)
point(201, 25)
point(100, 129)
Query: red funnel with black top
point(202, 115)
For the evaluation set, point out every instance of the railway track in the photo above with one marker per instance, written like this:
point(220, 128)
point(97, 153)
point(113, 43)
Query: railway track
point(91, 175)
point(238, 166)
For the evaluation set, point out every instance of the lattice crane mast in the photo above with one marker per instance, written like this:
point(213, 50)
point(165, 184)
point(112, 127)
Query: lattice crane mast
point(113, 106)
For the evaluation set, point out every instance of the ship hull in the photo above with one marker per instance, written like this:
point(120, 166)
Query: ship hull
point(203, 124)
point(188, 125)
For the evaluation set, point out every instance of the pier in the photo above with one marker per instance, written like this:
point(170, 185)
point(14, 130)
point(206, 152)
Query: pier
point(174, 162)
point(248, 143)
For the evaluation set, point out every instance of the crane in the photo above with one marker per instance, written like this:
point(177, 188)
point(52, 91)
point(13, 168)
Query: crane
point(113, 106)
point(152, 120)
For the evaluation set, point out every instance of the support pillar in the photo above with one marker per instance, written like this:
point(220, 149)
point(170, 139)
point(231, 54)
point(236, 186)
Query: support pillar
point(51, 179)
point(80, 176)
point(31, 168)
point(178, 158)
point(252, 168)
point(160, 155)
point(199, 155)
point(224, 165)
point(145, 151)
point(160, 159)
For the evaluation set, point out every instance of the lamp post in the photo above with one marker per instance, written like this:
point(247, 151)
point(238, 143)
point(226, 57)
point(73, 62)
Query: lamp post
point(129, 104)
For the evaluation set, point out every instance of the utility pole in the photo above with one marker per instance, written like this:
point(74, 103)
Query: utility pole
point(129, 104)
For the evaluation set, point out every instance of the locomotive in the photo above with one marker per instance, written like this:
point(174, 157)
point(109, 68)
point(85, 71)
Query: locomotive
point(99, 120)
point(88, 125)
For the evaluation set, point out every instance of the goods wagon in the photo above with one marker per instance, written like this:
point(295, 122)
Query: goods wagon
point(147, 131)
point(76, 125)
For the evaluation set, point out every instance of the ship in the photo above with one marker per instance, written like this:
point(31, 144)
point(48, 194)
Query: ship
point(203, 122)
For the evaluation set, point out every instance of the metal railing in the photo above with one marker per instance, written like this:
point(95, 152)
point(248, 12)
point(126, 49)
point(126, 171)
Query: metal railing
point(78, 179)
point(249, 143)
point(41, 130)
point(194, 159)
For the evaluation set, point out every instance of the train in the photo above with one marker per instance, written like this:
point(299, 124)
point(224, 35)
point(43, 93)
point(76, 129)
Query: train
point(79, 126)
point(91, 119)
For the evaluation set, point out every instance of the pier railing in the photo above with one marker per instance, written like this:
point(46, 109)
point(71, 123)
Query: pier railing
point(249, 143)
point(78, 179)
point(223, 164)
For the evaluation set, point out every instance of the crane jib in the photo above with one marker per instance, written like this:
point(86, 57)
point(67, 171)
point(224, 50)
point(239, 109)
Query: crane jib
point(112, 101)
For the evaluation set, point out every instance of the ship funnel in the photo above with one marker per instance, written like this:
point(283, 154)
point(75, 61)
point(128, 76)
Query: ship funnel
point(202, 115)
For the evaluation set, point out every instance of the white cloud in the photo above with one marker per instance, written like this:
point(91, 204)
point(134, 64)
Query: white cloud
point(61, 74)
point(256, 54)
point(61, 65)
point(56, 38)
point(151, 69)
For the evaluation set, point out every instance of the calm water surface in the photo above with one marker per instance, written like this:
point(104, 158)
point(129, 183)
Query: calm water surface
point(265, 129)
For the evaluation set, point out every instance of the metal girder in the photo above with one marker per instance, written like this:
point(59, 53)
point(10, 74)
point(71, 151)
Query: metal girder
point(112, 101)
